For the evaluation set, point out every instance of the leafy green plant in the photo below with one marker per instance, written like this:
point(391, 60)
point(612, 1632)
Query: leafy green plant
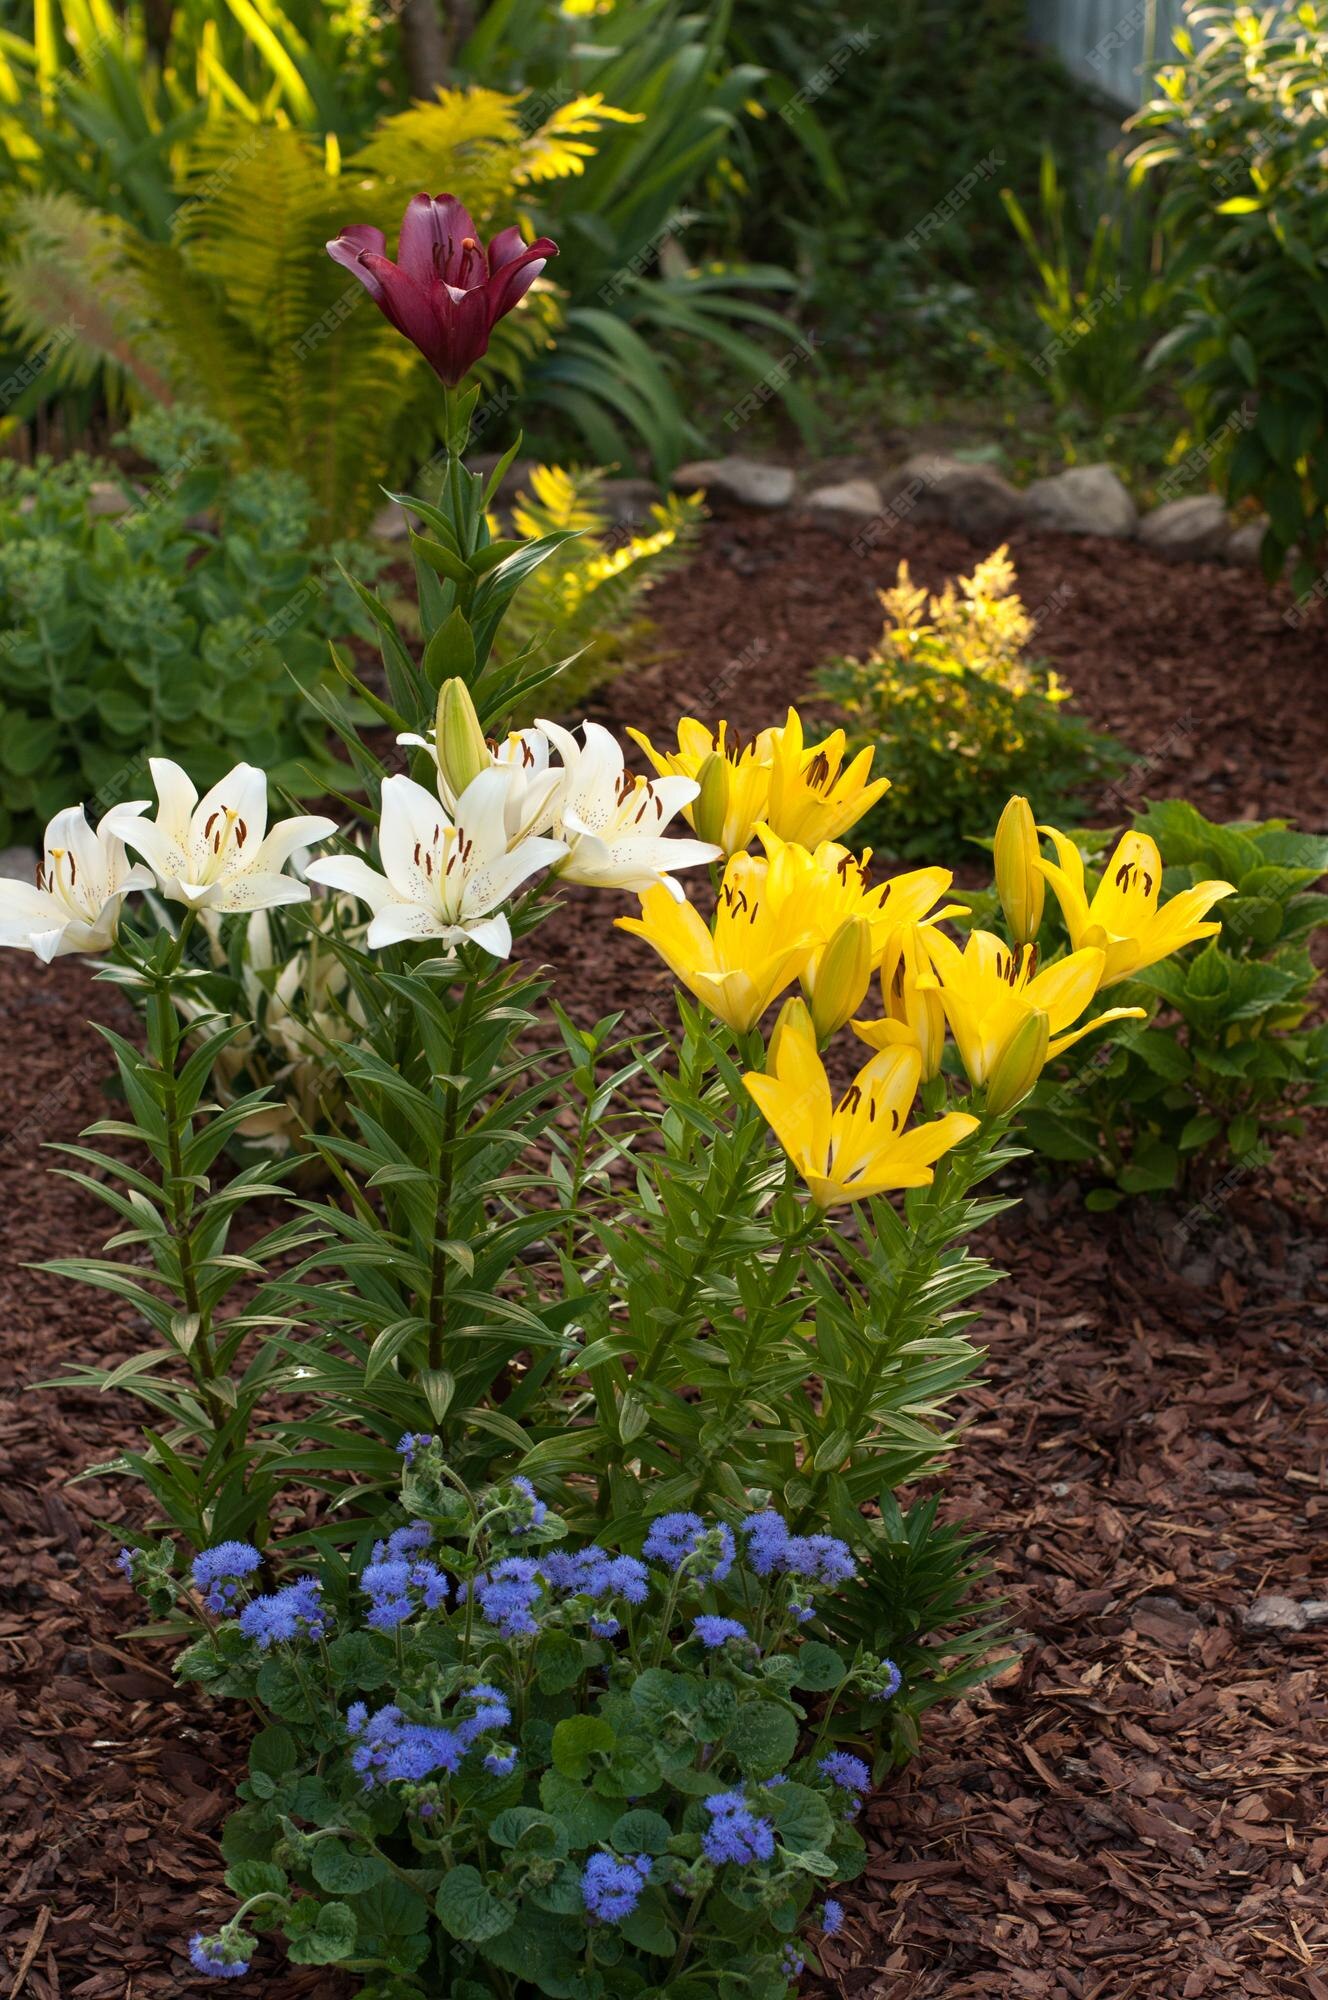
point(963, 715)
point(1232, 1058)
point(173, 626)
point(496, 1764)
point(1098, 318)
point(1237, 135)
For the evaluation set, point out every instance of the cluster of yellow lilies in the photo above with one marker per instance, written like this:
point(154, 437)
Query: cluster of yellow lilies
point(804, 910)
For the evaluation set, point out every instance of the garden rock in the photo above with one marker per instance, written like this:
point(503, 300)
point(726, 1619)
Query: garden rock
point(1273, 1615)
point(105, 497)
point(846, 505)
point(1244, 543)
point(389, 524)
point(1085, 500)
point(1192, 530)
point(975, 499)
point(745, 481)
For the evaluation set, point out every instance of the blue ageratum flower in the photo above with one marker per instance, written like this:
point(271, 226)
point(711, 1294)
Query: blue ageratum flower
point(715, 1632)
point(217, 1573)
point(413, 1442)
point(594, 1573)
point(283, 1616)
point(832, 1917)
point(507, 1596)
point(847, 1773)
point(219, 1956)
point(611, 1889)
point(735, 1832)
point(398, 1587)
point(891, 1680)
point(674, 1538)
point(405, 1542)
point(792, 1962)
point(534, 1513)
point(387, 1748)
point(765, 1538)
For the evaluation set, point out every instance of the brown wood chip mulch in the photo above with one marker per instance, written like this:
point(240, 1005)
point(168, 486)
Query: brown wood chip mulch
point(1137, 1806)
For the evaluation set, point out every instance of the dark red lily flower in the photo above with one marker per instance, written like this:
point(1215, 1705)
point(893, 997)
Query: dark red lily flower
point(446, 292)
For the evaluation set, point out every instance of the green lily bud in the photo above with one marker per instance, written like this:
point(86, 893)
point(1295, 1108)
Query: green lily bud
point(1020, 1063)
point(710, 806)
point(836, 981)
point(462, 750)
point(1020, 883)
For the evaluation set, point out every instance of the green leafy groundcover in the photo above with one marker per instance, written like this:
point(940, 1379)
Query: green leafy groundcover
point(493, 1765)
point(172, 628)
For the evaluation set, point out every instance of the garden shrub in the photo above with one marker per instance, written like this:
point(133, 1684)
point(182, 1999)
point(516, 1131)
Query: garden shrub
point(491, 1755)
point(186, 625)
point(1232, 1058)
point(1238, 135)
point(963, 714)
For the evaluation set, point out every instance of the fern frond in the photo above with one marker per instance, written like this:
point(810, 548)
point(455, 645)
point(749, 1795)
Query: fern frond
point(559, 148)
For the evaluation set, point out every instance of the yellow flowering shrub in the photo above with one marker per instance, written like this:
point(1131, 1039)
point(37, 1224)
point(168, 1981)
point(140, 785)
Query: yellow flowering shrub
point(963, 713)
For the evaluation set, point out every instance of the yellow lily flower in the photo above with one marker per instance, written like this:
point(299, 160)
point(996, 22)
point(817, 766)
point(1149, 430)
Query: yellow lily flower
point(854, 922)
point(911, 995)
point(1124, 919)
point(1019, 880)
point(734, 777)
point(736, 966)
point(989, 990)
point(857, 1148)
point(814, 795)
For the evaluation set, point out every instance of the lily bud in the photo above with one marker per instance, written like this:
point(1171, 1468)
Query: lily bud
point(711, 804)
point(1020, 1063)
point(1020, 883)
point(462, 750)
point(836, 979)
point(912, 996)
point(794, 1022)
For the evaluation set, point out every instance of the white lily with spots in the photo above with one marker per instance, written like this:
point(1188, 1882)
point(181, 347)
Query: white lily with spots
point(613, 822)
point(216, 853)
point(443, 877)
point(82, 879)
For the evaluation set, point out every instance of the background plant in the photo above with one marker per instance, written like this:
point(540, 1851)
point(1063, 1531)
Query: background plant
point(963, 714)
point(1237, 136)
point(1233, 1058)
point(175, 626)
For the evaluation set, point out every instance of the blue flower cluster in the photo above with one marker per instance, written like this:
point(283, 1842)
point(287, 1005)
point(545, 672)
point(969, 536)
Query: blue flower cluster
point(848, 1774)
point(592, 1572)
point(891, 1680)
point(295, 1612)
point(735, 1832)
point(534, 1513)
point(210, 1956)
point(715, 1632)
point(403, 1543)
point(414, 1441)
point(611, 1889)
point(772, 1551)
point(832, 1917)
point(217, 1573)
point(675, 1539)
point(388, 1748)
point(507, 1595)
point(397, 1588)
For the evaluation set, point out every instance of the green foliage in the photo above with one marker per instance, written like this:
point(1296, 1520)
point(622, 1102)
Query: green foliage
point(1099, 318)
point(1238, 135)
point(1233, 1058)
point(962, 715)
point(174, 627)
point(569, 1721)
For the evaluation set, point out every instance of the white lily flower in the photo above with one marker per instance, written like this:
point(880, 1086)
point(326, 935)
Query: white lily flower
point(442, 878)
point(214, 853)
point(82, 879)
point(523, 758)
point(613, 822)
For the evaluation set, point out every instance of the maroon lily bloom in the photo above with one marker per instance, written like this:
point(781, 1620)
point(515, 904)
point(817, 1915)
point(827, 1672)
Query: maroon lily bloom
point(446, 293)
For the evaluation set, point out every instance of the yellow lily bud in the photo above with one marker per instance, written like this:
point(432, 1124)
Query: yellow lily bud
point(912, 996)
point(711, 804)
point(1020, 1062)
point(836, 978)
point(462, 750)
point(1020, 882)
point(794, 1023)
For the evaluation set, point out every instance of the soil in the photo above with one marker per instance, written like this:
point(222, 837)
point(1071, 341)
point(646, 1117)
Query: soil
point(1136, 1805)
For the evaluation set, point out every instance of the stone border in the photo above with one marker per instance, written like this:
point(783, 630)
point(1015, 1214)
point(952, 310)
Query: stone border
point(980, 502)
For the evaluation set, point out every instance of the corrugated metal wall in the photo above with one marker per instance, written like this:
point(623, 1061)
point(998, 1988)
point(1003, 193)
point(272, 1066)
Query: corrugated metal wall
point(1106, 42)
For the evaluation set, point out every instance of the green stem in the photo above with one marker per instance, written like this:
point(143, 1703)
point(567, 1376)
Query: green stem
point(720, 1218)
point(447, 1178)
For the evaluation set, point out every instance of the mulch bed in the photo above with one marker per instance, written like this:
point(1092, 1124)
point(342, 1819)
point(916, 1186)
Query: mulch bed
point(1137, 1805)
